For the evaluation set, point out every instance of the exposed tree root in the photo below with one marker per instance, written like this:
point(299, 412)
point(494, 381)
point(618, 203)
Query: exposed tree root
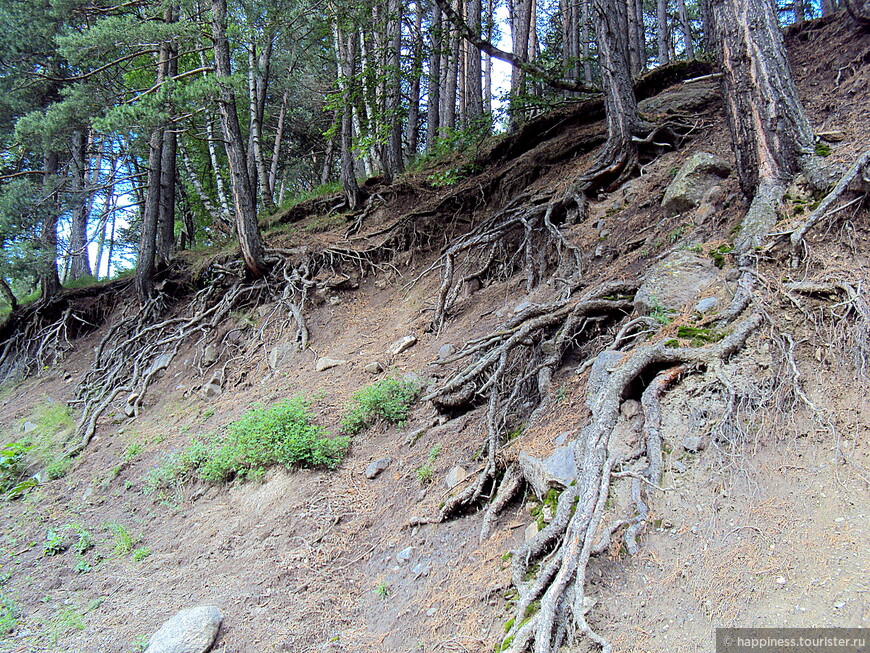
point(511, 368)
point(574, 530)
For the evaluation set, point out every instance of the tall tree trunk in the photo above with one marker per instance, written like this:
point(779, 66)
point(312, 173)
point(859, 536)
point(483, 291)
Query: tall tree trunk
point(448, 97)
point(584, 41)
point(145, 267)
point(49, 282)
point(276, 148)
point(663, 36)
point(474, 92)
point(347, 47)
point(520, 21)
point(8, 295)
point(393, 160)
point(412, 127)
point(79, 264)
point(771, 136)
point(168, 159)
point(433, 96)
point(686, 27)
point(247, 228)
point(487, 58)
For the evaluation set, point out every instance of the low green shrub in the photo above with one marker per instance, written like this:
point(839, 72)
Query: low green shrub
point(388, 401)
point(282, 434)
point(13, 466)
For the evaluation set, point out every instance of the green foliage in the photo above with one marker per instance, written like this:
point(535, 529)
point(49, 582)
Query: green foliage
point(8, 615)
point(382, 589)
point(823, 149)
point(55, 542)
point(141, 553)
point(388, 400)
point(659, 313)
point(282, 434)
point(718, 254)
point(698, 336)
point(13, 466)
point(425, 473)
point(124, 541)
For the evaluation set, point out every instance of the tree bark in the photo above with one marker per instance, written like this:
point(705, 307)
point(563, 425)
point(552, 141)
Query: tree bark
point(49, 282)
point(347, 46)
point(433, 102)
point(662, 32)
point(393, 162)
point(771, 136)
point(145, 267)
point(79, 264)
point(474, 90)
point(8, 295)
point(686, 27)
point(247, 229)
point(168, 157)
point(412, 127)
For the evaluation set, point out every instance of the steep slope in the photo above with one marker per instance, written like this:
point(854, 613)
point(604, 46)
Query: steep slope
point(759, 517)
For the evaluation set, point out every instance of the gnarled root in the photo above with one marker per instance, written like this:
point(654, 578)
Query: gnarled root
point(559, 586)
point(510, 367)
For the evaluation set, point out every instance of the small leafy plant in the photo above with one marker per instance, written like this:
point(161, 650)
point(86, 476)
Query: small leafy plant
point(388, 400)
point(124, 541)
point(425, 474)
point(382, 589)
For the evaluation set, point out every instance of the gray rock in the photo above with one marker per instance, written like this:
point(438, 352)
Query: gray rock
point(374, 367)
point(374, 469)
point(325, 363)
point(209, 355)
point(693, 444)
point(380, 284)
point(159, 364)
point(446, 351)
point(282, 354)
point(212, 390)
point(190, 631)
point(683, 99)
point(531, 531)
point(421, 569)
point(403, 344)
point(27, 427)
point(404, 555)
point(558, 469)
point(706, 305)
point(598, 375)
point(455, 476)
point(562, 438)
point(698, 175)
point(630, 408)
point(677, 280)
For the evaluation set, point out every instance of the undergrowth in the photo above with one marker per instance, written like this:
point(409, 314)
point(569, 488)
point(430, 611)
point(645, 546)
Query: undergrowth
point(388, 401)
point(283, 434)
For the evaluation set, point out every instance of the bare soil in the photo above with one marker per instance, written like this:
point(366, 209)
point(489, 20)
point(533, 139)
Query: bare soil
point(769, 529)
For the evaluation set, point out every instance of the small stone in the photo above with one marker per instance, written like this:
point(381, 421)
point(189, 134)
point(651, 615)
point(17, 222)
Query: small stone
point(839, 605)
point(547, 513)
point(693, 444)
point(380, 284)
point(374, 367)
point(630, 408)
point(679, 467)
point(455, 476)
point(531, 531)
point(431, 612)
point(404, 555)
point(158, 364)
point(27, 427)
point(281, 355)
point(839, 520)
point(333, 300)
point(209, 356)
point(421, 569)
point(403, 344)
point(190, 631)
point(212, 390)
point(706, 305)
point(603, 234)
point(599, 252)
point(325, 363)
point(374, 469)
point(780, 580)
point(446, 351)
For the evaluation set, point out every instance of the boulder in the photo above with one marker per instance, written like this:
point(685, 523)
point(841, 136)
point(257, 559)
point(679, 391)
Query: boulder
point(446, 351)
point(701, 172)
point(706, 305)
point(159, 364)
point(674, 282)
point(559, 469)
point(374, 469)
point(282, 354)
point(323, 363)
point(374, 367)
point(403, 344)
point(27, 427)
point(192, 630)
point(209, 356)
point(455, 476)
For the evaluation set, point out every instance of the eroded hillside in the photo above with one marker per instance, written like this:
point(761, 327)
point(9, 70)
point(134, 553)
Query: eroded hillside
point(517, 314)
